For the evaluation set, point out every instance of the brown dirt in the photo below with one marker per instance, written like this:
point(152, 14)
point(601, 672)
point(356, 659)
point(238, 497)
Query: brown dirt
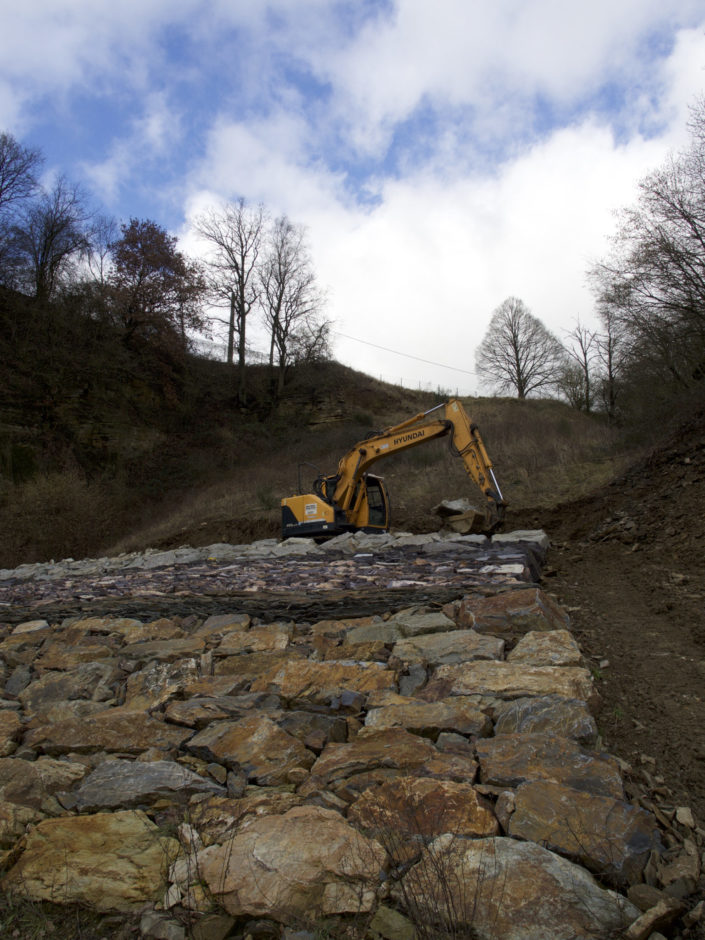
point(629, 564)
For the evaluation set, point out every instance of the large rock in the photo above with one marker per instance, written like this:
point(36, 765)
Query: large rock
point(158, 683)
point(512, 680)
point(121, 730)
point(256, 745)
point(549, 648)
point(324, 683)
point(273, 636)
point(393, 749)
point(492, 888)
point(127, 784)
point(306, 863)
point(512, 759)
point(109, 861)
point(93, 681)
point(458, 646)
point(216, 817)
point(547, 714)
point(431, 718)
point(511, 614)
point(610, 837)
point(412, 807)
point(10, 732)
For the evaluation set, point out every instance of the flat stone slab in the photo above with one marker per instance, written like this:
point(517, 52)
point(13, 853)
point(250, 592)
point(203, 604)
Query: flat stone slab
point(513, 680)
point(512, 759)
point(547, 714)
point(128, 784)
point(431, 718)
point(115, 729)
point(320, 683)
point(549, 648)
point(458, 646)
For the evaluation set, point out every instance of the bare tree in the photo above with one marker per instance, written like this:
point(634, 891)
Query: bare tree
point(49, 239)
point(290, 299)
point(653, 282)
point(583, 350)
point(234, 233)
point(518, 353)
point(18, 171)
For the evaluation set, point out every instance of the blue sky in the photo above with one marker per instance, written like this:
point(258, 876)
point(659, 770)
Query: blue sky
point(443, 155)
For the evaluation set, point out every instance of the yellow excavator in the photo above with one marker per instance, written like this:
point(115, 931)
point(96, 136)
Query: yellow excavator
point(354, 499)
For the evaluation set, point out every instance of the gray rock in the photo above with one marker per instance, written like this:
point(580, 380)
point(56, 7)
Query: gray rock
point(126, 784)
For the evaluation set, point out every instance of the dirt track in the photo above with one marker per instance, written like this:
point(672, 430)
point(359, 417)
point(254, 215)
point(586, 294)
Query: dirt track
point(630, 562)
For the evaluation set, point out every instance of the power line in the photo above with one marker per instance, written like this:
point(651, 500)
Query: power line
point(396, 352)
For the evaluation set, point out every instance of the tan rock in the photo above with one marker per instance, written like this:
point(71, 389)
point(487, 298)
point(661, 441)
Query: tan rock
point(273, 636)
point(34, 783)
point(307, 862)
point(10, 731)
point(109, 861)
point(410, 807)
point(165, 651)
point(115, 729)
point(548, 648)
point(514, 890)
point(124, 626)
point(511, 614)
point(220, 624)
point(513, 680)
point(255, 744)
point(607, 836)
point(547, 714)
point(158, 683)
point(512, 759)
point(431, 718)
point(162, 629)
point(251, 666)
point(394, 748)
point(337, 628)
point(216, 817)
point(458, 646)
point(319, 683)
point(30, 626)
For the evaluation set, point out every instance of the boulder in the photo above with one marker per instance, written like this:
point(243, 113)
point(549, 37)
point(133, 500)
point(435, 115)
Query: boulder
point(511, 614)
point(121, 730)
point(412, 807)
point(256, 744)
point(547, 714)
point(431, 718)
point(498, 887)
point(321, 683)
point(127, 784)
point(546, 648)
point(307, 862)
point(610, 837)
point(109, 861)
point(513, 680)
point(512, 759)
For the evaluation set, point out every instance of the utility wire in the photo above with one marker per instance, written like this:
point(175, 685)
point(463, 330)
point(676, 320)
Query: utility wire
point(396, 352)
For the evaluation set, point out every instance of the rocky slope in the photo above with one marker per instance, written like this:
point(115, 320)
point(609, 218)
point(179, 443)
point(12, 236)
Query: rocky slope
point(377, 736)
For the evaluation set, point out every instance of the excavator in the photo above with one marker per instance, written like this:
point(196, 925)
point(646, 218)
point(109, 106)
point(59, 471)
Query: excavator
point(354, 499)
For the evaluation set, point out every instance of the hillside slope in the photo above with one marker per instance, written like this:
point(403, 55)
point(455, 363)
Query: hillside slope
point(629, 562)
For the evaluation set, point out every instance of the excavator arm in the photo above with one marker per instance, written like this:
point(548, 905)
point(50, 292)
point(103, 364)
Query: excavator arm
point(354, 499)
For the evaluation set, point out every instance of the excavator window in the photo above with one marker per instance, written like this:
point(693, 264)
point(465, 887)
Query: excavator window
point(377, 508)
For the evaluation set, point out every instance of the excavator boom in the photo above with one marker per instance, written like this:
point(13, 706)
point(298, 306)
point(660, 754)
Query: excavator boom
point(355, 499)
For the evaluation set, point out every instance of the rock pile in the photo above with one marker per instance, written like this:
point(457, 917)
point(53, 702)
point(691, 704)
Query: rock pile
point(419, 764)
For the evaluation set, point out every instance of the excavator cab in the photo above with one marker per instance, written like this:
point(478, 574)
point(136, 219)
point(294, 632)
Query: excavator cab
point(316, 516)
